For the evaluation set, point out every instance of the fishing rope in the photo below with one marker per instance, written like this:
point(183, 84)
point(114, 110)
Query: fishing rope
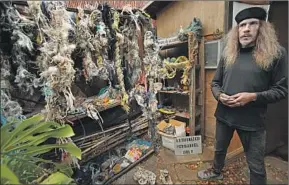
point(119, 71)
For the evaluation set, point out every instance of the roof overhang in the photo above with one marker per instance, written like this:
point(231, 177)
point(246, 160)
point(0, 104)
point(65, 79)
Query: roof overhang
point(153, 7)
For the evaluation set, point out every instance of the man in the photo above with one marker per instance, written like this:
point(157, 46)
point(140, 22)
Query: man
point(251, 74)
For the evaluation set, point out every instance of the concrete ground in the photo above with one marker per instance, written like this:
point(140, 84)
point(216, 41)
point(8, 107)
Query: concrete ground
point(183, 169)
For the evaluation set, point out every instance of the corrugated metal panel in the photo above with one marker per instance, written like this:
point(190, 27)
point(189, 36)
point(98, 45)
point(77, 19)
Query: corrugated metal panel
point(115, 4)
point(260, 2)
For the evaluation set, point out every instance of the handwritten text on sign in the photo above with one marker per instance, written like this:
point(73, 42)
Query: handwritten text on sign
point(188, 145)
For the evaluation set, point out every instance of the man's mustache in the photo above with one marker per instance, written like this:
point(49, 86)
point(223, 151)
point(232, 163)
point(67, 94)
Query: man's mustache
point(246, 36)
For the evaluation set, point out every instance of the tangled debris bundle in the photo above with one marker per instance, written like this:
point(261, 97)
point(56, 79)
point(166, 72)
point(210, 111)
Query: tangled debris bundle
point(9, 109)
point(195, 27)
point(130, 30)
point(91, 38)
point(55, 64)
point(25, 80)
point(143, 176)
point(83, 40)
point(165, 178)
point(118, 60)
point(16, 73)
point(21, 30)
point(181, 63)
point(44, 36)
point(152, 64)
point(5, 71)
point(146, 98)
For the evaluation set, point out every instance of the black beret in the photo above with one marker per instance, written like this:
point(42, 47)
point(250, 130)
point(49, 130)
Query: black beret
point(254, 12)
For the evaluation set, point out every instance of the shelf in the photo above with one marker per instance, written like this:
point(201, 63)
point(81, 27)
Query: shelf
point(187, 114)
point(172, 44)
point(183, 115)
point(198, 91)
point(175, 92)
point(102, 108)
point(195, 115)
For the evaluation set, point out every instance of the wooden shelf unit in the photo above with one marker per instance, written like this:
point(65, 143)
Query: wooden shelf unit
point(196, 91)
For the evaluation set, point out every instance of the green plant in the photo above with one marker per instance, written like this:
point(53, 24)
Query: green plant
point(22, 144)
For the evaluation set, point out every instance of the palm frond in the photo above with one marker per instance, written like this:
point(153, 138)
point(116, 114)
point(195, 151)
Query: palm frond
point(22, 144)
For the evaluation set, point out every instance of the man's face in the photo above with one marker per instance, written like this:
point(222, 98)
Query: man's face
point(248, 31)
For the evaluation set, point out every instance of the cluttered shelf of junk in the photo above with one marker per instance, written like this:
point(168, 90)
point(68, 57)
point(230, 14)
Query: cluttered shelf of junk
point(94, 90)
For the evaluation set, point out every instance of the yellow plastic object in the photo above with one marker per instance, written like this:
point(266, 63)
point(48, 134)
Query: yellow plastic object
point(165, 111)
point(116, 169)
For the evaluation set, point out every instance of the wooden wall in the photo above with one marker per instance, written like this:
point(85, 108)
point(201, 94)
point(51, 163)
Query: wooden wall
point(181, 13)
point(212, 16)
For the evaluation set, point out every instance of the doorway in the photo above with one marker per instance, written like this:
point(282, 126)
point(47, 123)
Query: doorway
point(277, 117)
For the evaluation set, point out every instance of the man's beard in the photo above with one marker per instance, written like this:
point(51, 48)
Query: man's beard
point(247, 45)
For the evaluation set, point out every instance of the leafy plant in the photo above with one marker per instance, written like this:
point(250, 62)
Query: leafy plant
point(21, 146)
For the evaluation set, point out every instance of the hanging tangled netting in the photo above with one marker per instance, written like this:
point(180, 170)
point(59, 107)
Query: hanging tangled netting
point(5, 71)
point(130, 48)
point(91, 38)
point(15, 69)
point(172, 65)
point(119, 70)
point(195, 27)
point(21, 31)
point(106, 40)
point(10, 110)
point(54, 62)
point(153, 64)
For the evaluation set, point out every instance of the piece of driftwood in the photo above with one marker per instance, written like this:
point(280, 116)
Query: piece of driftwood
point(103, 140)
point(114, 138)
point(99, 138)
point(98, 134)
point(97, 143)
point(109, 136)
point(122, 136)
point(109, 146)
point(101, 133)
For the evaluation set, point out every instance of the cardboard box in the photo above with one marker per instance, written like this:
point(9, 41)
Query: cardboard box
point(168, 141)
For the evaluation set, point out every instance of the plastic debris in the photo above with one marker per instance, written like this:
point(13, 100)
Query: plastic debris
point(170, 130)
point(143, 176)
point(124, 164)
point(141, 144)
point(116, 169)
point(133, 154)
point(165, 177)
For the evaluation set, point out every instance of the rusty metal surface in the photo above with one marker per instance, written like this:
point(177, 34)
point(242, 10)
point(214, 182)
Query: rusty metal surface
point(115, 4)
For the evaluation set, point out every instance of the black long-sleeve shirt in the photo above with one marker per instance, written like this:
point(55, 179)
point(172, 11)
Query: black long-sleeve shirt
point(246, 76)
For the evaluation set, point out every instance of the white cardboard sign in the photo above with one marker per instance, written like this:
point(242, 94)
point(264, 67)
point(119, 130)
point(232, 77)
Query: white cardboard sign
point(188, 145)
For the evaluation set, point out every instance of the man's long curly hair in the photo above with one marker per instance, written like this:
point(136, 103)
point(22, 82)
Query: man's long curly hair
point(266, 50)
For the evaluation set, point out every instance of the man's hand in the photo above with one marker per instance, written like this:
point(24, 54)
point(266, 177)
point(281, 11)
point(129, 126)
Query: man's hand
point(225, 99)
point(241, 99)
